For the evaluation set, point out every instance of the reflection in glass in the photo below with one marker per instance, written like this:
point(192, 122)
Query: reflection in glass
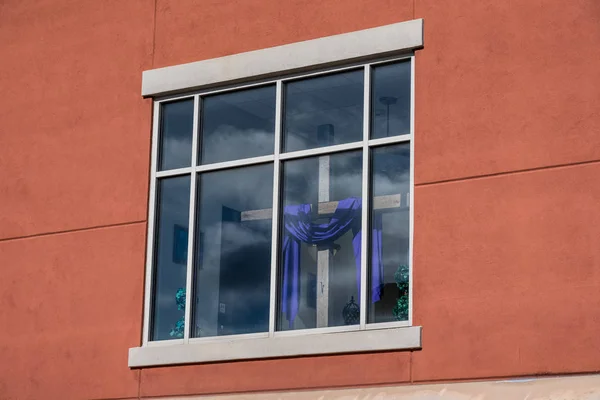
point(233, 251)
point(170, 257)
point(177, 120)
point(323, 111)
point(390, 100)
point(319, 271)
point(238, 125)
point(388, 267)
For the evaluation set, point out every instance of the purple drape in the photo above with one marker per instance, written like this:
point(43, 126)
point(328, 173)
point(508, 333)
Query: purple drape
point(298, 227)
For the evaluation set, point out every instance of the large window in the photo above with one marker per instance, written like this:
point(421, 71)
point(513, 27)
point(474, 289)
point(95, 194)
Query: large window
point(283, 207)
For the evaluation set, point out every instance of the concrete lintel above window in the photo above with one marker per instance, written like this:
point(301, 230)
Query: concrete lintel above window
point(295, 57)
point(223, 349)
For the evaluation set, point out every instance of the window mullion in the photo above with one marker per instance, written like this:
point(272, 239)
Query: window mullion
point(275, 215)
point(151, 224)
point(191, 224)
point(411, 198)
point(365, 199)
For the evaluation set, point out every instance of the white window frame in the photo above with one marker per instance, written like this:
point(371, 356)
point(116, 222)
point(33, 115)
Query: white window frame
point(362, 49)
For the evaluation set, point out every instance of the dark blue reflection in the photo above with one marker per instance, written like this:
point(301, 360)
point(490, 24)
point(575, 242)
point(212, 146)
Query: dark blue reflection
point(389, 216)
point(390, 100)
point(238, 125)
point(318, 251)
point(323, 111)
point(170, 257)
point(233, 251)
point(177, 120)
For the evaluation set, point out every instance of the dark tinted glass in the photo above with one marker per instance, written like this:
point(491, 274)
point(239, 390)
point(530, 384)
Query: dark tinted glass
point(390, 101)
point(319, 272)
point(388, 266)
point(238, 125)
point(177, 120)
point(323, 111)
point(170, 257)
point(233, 251)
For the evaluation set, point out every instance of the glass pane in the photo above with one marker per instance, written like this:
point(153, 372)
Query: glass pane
point(238, 125)
point(233, 251)
point(388, 269)
point(170, 257)
point(390, 101)
point(324, 111)
point(320, 248)
point(177, 120)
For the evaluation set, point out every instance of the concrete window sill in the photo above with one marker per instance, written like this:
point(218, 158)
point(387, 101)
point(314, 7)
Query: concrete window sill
point(224, 349)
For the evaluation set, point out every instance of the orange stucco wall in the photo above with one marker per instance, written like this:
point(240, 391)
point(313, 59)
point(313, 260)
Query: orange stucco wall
point(507, 197)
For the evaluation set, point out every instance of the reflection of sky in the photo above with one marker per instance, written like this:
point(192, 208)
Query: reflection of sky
point(233, 256)
point(391, 83)
point(176, 134)
point(238, 124)
point(335, 100)
point(391, 175)
point(173, 209)
point(301, 178)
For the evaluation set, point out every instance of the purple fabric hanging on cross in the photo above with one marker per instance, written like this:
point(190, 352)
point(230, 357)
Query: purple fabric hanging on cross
point(298, 227)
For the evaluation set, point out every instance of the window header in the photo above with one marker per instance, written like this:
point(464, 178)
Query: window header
point(295, 57)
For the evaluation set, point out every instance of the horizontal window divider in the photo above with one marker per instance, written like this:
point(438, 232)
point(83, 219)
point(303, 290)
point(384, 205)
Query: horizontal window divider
point(235, 163)
point(387, 325)
point(168, 343)
point(244, 336)
point(174, 172)
point(317, 331)
point(359, 341)
point(390, 140)
point(321, 151)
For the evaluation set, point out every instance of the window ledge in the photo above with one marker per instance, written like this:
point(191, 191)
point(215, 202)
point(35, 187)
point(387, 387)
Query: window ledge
point(404, 338)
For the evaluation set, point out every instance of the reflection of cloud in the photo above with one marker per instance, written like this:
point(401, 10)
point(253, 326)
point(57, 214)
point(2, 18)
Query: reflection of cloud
point(177, 152)
point(399, 183)
point(242, 189)
point(230, 143)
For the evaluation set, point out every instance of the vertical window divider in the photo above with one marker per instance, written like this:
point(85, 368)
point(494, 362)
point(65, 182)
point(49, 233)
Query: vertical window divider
point(365, 198)
point(411, 197)
point(192, 222)
point(151, 217)
point(275, 207)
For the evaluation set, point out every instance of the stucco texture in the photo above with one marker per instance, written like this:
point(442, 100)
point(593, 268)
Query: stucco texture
point(507, 160)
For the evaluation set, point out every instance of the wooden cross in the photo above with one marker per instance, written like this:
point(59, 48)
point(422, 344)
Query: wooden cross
point(327, 207)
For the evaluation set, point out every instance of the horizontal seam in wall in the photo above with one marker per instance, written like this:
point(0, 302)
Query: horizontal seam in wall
point(518, 171)
point(90, 228)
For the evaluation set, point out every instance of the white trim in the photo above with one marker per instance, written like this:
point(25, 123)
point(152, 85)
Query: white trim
point(240, 336)
point(150, 233)
point(275, 209)
point(234, 163)
point(379, 41)
point(318, 331)
point(173, 172)
point(366, 194)
point(191, 226)
point(269, 347)
point(390, 140)
point(321, 150)
point(411, 208)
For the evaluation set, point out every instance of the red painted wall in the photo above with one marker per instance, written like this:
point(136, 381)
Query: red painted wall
point(507, 198)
